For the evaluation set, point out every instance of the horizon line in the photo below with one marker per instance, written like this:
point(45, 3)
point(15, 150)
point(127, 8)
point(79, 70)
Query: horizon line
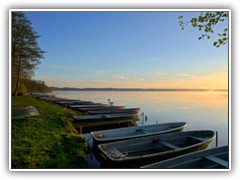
point(136, 89)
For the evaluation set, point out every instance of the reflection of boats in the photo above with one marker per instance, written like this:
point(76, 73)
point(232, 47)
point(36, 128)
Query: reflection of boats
point(99, 108)
point(206, 159)
point(113, 111)
point(141, 151)
point(88, 118)
point(136, 131)
point(23, 112)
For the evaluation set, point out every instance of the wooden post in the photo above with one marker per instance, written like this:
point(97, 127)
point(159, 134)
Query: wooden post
point(143, 118)
point(216, 139)
point(80, 129)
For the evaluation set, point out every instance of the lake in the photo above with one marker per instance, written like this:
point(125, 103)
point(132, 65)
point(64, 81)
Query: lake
point(202, 110)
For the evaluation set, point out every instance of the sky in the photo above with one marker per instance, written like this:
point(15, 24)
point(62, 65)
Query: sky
point(127, 50)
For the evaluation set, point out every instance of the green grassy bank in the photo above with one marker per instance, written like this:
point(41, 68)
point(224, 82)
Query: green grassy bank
point(48, 140)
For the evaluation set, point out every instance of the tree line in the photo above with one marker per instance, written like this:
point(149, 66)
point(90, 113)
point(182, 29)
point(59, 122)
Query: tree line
point(30, 86)
point(25, 55)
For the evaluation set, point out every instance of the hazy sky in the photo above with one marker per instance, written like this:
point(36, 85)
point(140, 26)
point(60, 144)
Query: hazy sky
point(127, 50)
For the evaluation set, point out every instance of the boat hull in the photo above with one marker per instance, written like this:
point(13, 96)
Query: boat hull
point(77, 106)
point(104, 117)
point(137, 152)
point(115, 111)
point(67, 103)
point(216, 158)
point(136, 132)
point(99, 108)
point(21, 112)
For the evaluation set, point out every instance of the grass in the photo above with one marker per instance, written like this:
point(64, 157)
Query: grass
point(46, 141)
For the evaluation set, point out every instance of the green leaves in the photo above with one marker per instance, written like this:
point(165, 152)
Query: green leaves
point(206, 23)
point(180, 17)
point(181, 24)
point(220, 42)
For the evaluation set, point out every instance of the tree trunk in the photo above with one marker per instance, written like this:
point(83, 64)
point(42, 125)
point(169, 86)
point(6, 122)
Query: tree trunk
point(18, 77)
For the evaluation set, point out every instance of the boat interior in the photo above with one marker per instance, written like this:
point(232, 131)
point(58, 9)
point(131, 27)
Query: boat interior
point(154, 146)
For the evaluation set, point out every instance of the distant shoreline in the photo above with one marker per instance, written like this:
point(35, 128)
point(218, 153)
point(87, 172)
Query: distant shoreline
point(131, 89)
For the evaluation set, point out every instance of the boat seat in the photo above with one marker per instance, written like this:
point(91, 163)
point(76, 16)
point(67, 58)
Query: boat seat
point(216, 160)
point(195, 138)
point(172, 146)
point(116, 153)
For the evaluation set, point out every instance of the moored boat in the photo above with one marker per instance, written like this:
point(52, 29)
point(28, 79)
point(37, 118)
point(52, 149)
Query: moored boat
point(136, 131)
point(77, 106)
point(103, 117)
point(114, 111)
point(141, 151)
point(216, 158)
point(72, 102)
point(99, 108)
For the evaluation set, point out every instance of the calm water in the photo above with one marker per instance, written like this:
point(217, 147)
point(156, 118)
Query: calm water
point(201, 110)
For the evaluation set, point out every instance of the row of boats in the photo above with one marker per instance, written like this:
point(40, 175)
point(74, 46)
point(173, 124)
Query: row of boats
point(92, 111)
point(160, 146)
point(155, 146)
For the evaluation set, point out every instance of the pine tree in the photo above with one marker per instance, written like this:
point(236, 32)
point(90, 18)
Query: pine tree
point(26, 53)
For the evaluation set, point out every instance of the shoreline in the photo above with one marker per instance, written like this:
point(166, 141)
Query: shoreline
point(47, 141)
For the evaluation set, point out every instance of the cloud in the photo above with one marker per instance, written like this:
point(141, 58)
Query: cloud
point(137, 79)
point(121, 77)
point(207, 80)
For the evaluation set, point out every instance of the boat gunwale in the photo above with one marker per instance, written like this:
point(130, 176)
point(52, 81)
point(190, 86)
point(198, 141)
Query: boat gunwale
point(103, 116)
point(148, 156)
point(100, 108)
point(118, 111)
point(138, 135)
point(197, 155)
